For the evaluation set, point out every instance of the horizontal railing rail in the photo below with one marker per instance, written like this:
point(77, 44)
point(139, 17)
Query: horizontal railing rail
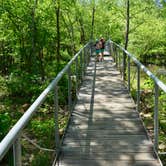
point(149, 73)
point(14, 135)
point(119, 54)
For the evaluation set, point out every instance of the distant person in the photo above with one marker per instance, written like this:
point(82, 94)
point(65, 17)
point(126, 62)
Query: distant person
point(98, 46)
point(102, 48)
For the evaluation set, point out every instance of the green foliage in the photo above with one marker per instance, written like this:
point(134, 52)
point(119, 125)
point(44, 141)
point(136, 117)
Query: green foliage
point(43, 128)
point(148, 84)
point(3, 88)
point(5, 121)
point(41, 158)
point(23, 84)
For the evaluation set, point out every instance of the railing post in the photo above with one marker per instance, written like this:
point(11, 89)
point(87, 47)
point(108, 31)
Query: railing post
point(116, 57)
point(84, 60)
point(119, 62)
point(76, 72)
point(156, 122)
point(138, 88)
point(81, 61)
point(17, 152)
point(69, 90)
point(123, 67)
point(87, 56)
point(91, 44)
point(128, 73)
point(56, 109)
point(112, 50)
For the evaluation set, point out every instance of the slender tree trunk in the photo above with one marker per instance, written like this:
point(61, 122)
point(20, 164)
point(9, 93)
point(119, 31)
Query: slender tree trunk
point(70, 48)
point(127, 32)
point(42, 71)
point(2, 58)
point(127, 24)
point(58, 32)
point(93, 17)
point(32, 56)
point(72, 35)
point(82, 32)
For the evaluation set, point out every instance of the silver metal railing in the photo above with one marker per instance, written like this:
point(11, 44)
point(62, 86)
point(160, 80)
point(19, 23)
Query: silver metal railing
point(118, 52)
point(80, 60)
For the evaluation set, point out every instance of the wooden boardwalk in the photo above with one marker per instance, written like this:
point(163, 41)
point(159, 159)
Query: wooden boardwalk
point(105, 129)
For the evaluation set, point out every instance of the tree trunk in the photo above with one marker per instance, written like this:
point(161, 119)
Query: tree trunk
point(32, 57)
point(58, 33)
point(126, 33)
point(42, 71)
point(82, 32)
point(93, 17)
point(72, 35)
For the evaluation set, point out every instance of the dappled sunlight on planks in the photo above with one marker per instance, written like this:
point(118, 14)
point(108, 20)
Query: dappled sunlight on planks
point(105, 128)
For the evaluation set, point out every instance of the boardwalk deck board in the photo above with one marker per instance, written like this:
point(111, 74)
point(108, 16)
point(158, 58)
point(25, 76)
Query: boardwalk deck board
point(105, 128)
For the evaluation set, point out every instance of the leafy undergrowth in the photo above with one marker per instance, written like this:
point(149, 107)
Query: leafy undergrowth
point(147, 112)
point(17, 93)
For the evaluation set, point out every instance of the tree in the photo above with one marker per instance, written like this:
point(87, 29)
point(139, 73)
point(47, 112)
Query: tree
point(126, 34)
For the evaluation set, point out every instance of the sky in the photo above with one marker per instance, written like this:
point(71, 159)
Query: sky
point(158, 2)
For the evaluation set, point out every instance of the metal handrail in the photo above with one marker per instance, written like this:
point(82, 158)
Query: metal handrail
point(13, 136)
point(158, 84)
point(150, 74)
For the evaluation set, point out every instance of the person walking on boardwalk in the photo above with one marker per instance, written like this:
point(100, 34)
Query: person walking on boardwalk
point(102, 48)
point(98, 46)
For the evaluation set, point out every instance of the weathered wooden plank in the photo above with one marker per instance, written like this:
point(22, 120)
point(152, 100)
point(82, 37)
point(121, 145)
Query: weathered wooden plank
point(115, 114)
point(98, 162)
point(103, 126)
point(105, 129)
point(106, 142)
point(114, 156)
point(95, 133)
point(107, 121)
point(110, 149)
point(109, 138)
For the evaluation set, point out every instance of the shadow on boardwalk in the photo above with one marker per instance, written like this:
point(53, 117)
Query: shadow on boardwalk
point(105, 129)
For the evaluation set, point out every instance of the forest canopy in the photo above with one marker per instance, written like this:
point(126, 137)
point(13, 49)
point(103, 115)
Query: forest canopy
point(41, 33)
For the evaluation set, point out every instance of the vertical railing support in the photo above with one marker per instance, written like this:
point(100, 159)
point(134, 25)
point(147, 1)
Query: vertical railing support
point(76, 73)
point(84, 60)
point(112, 49)
point(87, 56)
point(116, 57)
point(138, 88)
point(156, 122)
point(119, 61)
point(91, 45)
point(56, 109)
point(123, 67)
point(81, 64)
point(128, 73)
point(17, 152)
point(69, 90)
